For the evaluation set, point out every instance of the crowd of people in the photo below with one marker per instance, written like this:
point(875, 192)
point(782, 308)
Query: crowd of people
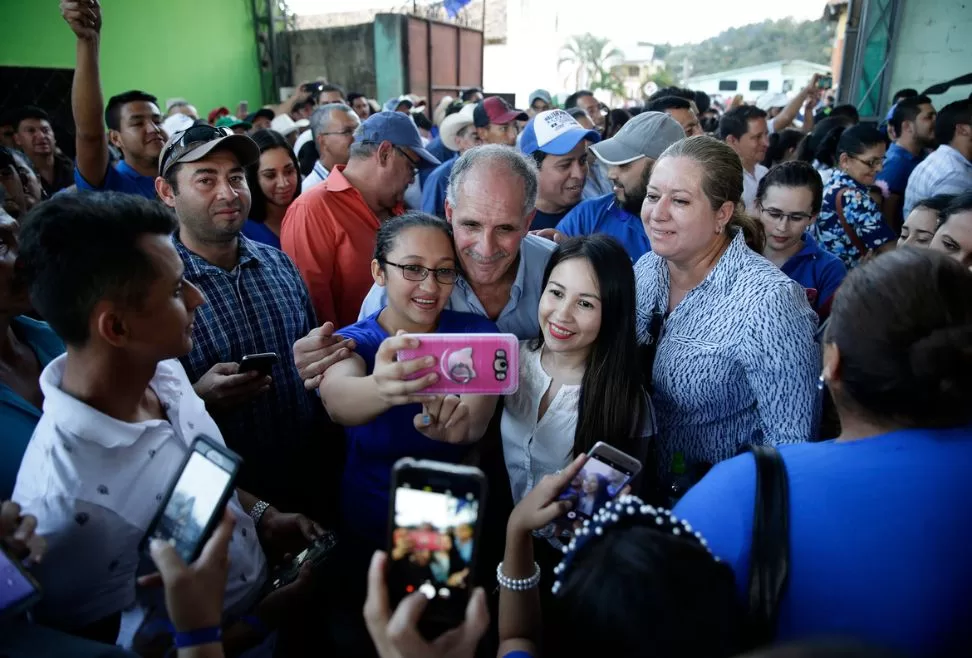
point(686, 279)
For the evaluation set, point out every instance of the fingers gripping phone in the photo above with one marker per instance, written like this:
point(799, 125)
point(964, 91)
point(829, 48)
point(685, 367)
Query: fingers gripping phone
point(606, 473)
point(471, 364)
point(18, 589)
point(825, 81)
point(196, 499)
point(433, 535)
point(261, 363)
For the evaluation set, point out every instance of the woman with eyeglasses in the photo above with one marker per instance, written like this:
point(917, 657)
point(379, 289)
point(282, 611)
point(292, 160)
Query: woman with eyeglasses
point(788, 201)
point(851, 225)
point(274, 183)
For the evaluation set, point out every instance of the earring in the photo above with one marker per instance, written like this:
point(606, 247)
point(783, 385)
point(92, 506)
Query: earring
point(718, 230)
point(821, 382)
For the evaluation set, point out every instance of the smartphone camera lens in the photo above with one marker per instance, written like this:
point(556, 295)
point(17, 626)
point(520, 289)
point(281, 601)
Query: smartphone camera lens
point(500, 365)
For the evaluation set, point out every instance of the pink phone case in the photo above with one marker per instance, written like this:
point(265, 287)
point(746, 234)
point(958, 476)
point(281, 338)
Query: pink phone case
point(478, 364)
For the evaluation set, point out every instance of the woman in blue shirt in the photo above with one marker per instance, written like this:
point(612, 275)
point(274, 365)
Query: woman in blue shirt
point(387, 417)
point(788, 200)
point(850, 224)
point(274, 183)
point(878, 539)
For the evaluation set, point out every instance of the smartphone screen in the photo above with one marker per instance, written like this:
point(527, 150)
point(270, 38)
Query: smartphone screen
point(17, 589)
point(601, 480)
point(196, 501)
point(433, 539)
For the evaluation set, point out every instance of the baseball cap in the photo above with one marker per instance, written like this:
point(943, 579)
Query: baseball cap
point(217, 113)
point(232, 122)
point(396, 128)
point(496, 110)
point(392, 103)
point(540, 94)
point(199, 141)
point(264, 112)
point(554, 132)
point(177, 122)
point(455, 122)
point(646, 135)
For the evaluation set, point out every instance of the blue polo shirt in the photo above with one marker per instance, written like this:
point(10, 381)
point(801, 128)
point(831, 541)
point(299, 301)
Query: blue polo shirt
point(439, 150)
point(120, 178)
point(435, 187)
point(605, 215)
point(18, 417)
point(816, 270)
point(898, 165)
point(373, 448)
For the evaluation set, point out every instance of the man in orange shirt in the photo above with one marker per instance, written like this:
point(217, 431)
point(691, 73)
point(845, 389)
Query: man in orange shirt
point(329, 231)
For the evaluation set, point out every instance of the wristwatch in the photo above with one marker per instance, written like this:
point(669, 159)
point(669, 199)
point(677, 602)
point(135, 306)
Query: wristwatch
point(256, 512)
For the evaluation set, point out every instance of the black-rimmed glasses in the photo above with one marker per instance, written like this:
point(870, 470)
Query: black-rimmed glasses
point(776, 215)
point(415, 163)
point(444, 275)
point(873, 163)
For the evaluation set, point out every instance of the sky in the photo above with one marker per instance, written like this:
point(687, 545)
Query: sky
point(629, 21)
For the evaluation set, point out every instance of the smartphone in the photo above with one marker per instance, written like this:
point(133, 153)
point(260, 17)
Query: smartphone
point(475, 364)
point(18, 589)
point(435, 522)
point(196, 498)
point(825, 81)
point(261, 363)
point(606, 473)
point(317, 554)
point(243, 109)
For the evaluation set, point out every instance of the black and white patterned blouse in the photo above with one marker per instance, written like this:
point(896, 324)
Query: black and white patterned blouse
point(736, 362)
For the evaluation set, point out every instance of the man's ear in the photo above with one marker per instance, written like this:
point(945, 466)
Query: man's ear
point(109, 325)
point(384, 153)
point(114, 138)
point(448, 211)
point(165, 191)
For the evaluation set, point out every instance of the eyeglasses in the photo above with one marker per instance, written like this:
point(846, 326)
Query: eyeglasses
point(776, 215)
point(190, 138)
point(874, 163)
point(343, 133)
point(444, 275)
point(415, 163)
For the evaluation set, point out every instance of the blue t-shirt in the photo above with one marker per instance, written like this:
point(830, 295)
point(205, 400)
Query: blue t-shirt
point(878, 533)
point(373, 448)
point(120, 178)
point(18, 417)
point(816, 270)
point(898, 165)
point(435, 187)
point(542, 220)
point(605, 215)
point(258, 232)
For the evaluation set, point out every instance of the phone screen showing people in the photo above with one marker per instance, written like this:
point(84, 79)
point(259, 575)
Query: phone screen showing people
point(433, 544)
point(601, 480)
point(17, 590)
point(196, 501)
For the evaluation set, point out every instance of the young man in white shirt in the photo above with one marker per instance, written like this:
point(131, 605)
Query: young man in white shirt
point(744, 129)
point(119, 417)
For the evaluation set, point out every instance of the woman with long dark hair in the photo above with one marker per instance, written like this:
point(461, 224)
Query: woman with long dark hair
point(274, 183)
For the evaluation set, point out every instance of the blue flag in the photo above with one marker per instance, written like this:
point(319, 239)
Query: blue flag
point(452, 7)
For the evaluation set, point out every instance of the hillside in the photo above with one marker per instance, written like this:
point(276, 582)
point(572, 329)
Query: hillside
point(753, 44)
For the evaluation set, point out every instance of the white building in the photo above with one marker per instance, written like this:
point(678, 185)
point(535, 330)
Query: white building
point(784, 77)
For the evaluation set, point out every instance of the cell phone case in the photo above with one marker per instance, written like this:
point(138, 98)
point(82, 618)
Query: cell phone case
point(475, 364)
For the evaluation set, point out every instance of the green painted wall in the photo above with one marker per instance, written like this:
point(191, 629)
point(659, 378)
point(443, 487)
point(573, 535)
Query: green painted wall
point(201, 50)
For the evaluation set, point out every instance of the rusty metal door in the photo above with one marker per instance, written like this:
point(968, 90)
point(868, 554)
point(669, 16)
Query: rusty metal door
point(442, 59)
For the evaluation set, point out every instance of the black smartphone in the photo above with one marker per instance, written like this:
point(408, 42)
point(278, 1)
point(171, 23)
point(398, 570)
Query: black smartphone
point(261, 363)
point(606, 473)
point(434, 527)
point(825, 81)
point(18, 589)
point(196, 499)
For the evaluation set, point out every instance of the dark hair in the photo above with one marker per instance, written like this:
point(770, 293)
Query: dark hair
point(678, 600)
point(781, 142)
point(30, 112)
point(6, 157)
point(903, 325)
point(902, 94)
point(959, 203)
point(76, 250)
point(847, 111)
point(950, 116)
point(114, 106)
point(389, 231)
point(907, 110)
point(678, 92)
point(355, 95)
point(611, 396)
point(795, 173)
point(422, 120)
point(613, 122)
point(576, 96)
point(857, 139)
point(308, 157)
point(735, 122)
point(822, 142)
point(702, 101)
point(468, 93)
point(267, 140)
point(668, 103)
point(938, 204)
point(330, 86)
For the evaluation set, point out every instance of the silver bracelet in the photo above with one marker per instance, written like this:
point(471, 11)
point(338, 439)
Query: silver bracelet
point(518, 584)
point(256, 512)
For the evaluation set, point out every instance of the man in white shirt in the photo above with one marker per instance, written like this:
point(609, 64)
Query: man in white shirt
point(119, 417)
point(949, 169)
point(744, 129)
point(333, 127)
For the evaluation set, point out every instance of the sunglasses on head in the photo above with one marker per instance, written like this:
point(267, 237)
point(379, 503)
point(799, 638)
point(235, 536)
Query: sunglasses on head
point(192, 137)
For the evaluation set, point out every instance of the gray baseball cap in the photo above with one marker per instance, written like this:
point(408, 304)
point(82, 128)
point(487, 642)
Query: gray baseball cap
point(646, 135)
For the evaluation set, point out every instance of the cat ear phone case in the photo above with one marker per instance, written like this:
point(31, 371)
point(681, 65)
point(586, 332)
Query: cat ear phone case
point(473, 364)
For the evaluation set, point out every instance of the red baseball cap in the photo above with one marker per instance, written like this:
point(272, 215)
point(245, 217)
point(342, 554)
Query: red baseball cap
point(496, 110)
point(217, 113)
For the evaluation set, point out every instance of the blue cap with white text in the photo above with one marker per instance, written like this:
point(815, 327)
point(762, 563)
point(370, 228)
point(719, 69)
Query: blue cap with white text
point(554, 132)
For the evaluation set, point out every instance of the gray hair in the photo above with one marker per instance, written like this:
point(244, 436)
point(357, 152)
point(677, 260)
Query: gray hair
point(494, 154)
point(322, 115)
point(361, 149)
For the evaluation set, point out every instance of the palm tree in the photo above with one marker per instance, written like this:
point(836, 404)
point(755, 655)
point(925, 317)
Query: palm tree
point(592, 58)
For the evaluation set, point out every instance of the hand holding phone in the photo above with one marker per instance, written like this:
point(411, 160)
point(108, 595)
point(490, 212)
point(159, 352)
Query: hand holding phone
point(604, 476)
point(544, 504)
point(224, 385)
point(825, 81)
point(262, 364)
point(395, 377)
point(18, 589)
point(467, 364)
point(444, 418)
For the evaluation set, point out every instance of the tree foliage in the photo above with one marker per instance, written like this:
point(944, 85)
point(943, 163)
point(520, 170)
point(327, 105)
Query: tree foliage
point(592, 58)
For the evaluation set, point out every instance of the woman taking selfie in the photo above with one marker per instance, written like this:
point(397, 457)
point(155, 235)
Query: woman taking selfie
point(787, 201)
point(850, 225)
point(898, 363)
point(274, 183)
point(736, 360)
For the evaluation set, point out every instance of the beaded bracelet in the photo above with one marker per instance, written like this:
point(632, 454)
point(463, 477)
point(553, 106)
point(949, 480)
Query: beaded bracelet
point(518, 584)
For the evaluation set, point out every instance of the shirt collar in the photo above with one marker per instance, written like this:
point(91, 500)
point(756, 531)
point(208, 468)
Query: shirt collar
point(81, 422)
point(336, 182)
point(196, 264)
point(952, 154)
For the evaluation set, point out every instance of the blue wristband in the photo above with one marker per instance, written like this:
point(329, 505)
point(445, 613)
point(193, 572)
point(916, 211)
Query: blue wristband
point(197, 637)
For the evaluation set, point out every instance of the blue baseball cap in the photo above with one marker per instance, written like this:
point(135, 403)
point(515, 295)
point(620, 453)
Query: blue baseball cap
point(397, 128)
point(554, 132)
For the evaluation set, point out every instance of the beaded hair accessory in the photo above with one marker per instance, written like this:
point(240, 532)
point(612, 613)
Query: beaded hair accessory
point(627, 510)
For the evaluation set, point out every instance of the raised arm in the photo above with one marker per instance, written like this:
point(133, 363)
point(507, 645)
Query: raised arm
point(87, 102)
point(785, 118)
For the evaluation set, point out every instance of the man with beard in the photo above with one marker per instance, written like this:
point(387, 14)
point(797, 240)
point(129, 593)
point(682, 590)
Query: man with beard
point(629, 156)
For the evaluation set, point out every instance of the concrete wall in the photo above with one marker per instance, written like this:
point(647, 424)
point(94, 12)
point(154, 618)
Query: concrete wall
point(202, 51)
point(933, 45)
point(345, 55)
